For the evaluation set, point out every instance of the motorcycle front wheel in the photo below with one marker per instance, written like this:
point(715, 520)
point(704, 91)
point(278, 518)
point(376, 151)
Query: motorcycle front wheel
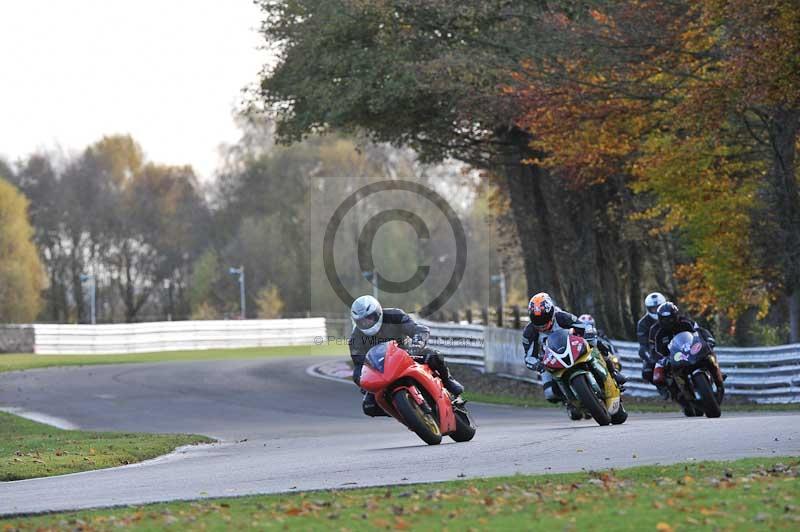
point(423, 424)
point(708, 400)
point(583, 389)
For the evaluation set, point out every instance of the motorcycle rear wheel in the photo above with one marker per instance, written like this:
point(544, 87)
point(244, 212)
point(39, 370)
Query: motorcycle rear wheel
point(708, 400)
point(423, 424)
point(589, 400)
point(465, 427)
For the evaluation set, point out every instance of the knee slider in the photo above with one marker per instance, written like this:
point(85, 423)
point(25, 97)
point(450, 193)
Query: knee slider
point(551, 393)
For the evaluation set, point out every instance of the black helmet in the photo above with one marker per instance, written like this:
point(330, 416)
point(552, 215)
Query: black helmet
point(668, 315)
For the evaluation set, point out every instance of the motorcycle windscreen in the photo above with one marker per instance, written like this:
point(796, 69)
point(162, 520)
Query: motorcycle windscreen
point(376, 357)
point(557, 346)
point(681, 343)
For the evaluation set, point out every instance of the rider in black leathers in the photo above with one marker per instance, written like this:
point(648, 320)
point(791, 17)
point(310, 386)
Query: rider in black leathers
point(392, 324)
point(650, 318)
point(670, 323)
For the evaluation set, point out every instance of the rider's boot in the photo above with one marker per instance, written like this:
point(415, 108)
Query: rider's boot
point(453, 386)
point(619, 377)
point(611, 364)
point(688, 409)
point(574, 413)
point(371, 407)
point(663, 391)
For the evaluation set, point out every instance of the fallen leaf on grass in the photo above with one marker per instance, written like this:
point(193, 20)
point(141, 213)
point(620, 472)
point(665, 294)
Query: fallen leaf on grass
point(664, 527)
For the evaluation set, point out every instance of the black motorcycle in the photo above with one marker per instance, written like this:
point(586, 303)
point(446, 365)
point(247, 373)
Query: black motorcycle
point(693, 375)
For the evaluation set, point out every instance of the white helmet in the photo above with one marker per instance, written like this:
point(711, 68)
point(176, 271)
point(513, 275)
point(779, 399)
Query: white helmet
point(652, 302)
point(367, 315)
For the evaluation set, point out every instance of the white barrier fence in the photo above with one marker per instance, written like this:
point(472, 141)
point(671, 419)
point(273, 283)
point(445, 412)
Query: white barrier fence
point(174, 336)
point(461, 344)
point(760, 374)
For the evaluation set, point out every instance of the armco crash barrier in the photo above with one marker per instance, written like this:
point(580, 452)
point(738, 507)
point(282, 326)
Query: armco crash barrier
point(761, 374)
point(174, 336)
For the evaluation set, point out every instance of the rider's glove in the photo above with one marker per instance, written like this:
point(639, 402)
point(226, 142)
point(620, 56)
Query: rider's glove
point(591, 336)
point(416, 347)
point(534, 364)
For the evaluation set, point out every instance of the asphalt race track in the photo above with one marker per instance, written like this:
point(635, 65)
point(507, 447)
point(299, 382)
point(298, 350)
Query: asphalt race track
point(284, 430)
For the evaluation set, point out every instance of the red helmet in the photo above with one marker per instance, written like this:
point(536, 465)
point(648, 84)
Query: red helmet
point(541, 310)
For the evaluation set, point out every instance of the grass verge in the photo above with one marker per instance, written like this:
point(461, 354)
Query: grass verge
point(30, 361)
point(739, 495)
point(31, 450)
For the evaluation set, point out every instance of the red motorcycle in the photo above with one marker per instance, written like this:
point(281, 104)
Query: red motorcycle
point(412, 394)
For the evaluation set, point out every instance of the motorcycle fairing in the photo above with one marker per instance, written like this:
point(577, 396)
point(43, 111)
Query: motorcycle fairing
point(400, 371)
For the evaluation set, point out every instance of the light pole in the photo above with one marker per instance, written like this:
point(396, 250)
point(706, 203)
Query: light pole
point(501, 279)
point(240, 272)
point(93, 291)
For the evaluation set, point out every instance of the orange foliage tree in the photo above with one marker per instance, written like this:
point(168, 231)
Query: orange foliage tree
point(696, 105)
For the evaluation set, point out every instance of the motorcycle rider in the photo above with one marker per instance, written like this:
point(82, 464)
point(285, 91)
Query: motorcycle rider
point(651, 304)
point(546, 318)
point(374, 325)
point(671, 322)
point(598, 339)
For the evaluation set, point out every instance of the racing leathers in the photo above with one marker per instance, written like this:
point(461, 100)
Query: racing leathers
point(398, 326)
point(660, 336)
point(643, 336)
point(532, 341)
point(659, 339)
point(598, 339)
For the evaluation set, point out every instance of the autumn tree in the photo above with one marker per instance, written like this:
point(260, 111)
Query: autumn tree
point(21, 275)
point(159, 230)
point(665, 93)
point(438, 76)
point(39, 181)
point(136, 226)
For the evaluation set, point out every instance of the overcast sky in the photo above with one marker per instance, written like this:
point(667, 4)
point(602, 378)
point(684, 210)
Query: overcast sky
point(169, 72)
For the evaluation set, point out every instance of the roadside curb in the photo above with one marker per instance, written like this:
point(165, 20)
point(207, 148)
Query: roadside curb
point(332, 370)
